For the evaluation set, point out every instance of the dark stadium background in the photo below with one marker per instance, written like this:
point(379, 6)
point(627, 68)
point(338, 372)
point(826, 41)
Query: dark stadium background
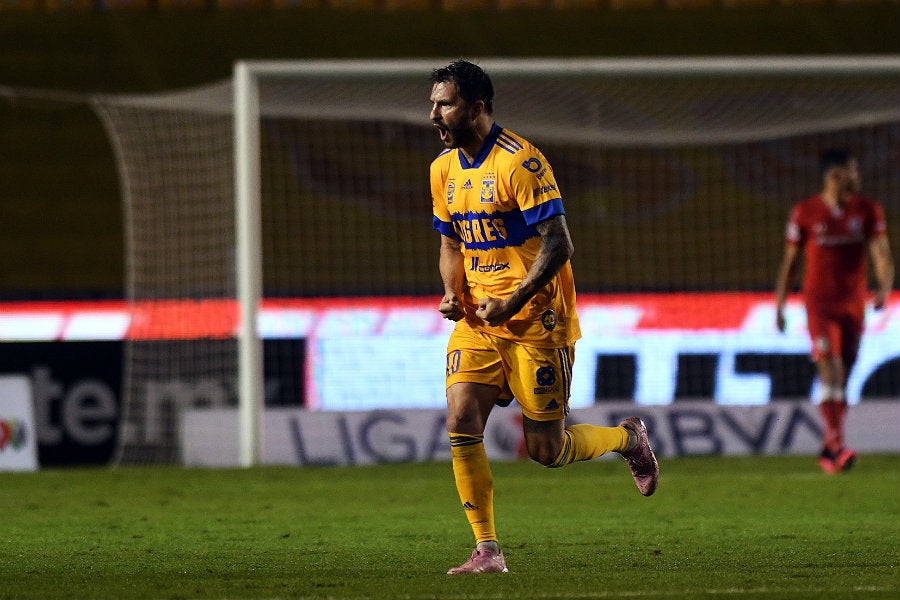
point(60, 199)
point(59, 194)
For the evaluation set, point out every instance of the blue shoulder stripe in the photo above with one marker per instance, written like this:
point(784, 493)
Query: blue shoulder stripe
point(508, 143)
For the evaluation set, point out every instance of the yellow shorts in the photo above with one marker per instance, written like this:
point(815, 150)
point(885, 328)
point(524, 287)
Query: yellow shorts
point(538, 378)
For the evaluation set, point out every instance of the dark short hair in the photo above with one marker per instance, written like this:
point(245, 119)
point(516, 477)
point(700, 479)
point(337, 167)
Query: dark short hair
point(471, 81)
point(834, 157)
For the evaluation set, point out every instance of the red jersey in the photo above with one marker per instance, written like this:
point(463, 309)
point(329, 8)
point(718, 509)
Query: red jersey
point(835, 242)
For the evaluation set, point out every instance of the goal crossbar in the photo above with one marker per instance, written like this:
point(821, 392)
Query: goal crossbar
point(640, 67)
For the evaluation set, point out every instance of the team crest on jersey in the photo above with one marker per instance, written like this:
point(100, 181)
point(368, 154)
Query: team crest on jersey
point(488, 183)
point(451, 189)
point(548, 320)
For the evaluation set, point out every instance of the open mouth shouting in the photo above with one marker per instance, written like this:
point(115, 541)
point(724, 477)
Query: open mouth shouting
point(444, 133)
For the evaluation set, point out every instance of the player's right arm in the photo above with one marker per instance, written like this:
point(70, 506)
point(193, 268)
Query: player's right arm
point(452, 268)
point(787, 274)
point(451, 262)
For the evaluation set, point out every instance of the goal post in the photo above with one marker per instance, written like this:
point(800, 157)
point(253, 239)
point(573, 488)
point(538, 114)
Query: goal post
point(248, 262)
point(680, 171)
point(246, 77)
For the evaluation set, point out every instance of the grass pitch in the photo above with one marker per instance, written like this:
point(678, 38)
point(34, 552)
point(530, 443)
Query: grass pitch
point(760, 527)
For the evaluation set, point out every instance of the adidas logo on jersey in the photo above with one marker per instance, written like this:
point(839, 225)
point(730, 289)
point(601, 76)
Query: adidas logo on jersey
point(467, 185)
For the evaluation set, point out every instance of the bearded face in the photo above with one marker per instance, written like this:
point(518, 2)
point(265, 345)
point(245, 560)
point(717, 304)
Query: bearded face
point(452, 116)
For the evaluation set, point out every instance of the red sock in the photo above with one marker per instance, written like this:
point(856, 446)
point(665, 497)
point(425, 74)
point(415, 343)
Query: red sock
point(832, 412)
point(841, 417)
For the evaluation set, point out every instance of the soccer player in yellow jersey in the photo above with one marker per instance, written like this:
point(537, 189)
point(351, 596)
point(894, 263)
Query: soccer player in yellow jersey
point(504, 262)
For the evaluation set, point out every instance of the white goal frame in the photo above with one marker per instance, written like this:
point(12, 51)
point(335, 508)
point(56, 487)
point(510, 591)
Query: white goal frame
point(248, 74)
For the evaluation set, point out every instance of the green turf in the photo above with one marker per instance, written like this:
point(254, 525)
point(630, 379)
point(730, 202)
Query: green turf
point(760, 527)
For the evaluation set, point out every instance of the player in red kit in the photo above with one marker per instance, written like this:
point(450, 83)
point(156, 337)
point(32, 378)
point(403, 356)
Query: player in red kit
point(837, 230)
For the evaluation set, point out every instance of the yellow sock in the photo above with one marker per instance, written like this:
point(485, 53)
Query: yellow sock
point(584, 442)
point(475, 483)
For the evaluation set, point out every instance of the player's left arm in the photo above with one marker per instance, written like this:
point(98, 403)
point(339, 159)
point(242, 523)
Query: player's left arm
point(556, 249)
point(883, 266)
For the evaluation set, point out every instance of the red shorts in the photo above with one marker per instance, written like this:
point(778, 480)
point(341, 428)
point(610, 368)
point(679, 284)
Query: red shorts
point(835, 330)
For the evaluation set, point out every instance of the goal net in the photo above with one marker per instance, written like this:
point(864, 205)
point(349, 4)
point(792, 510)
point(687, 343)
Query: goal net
point(677, 176)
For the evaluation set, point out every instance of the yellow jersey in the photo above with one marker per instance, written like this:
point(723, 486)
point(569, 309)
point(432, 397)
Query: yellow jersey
point(492, 207)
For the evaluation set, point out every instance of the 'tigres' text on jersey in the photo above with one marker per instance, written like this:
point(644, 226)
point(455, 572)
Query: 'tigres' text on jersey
point(492, 206)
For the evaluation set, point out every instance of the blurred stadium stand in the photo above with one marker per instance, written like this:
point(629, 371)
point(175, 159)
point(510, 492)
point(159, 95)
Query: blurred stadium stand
point(51, 6)
point(60, 196)
point(59, 192)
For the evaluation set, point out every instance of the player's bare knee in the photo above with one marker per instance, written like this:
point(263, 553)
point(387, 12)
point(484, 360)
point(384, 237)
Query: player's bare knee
point(543, 454)
point(545, 459)
point(460, 423)
point(464, 421)
point(543, 440)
